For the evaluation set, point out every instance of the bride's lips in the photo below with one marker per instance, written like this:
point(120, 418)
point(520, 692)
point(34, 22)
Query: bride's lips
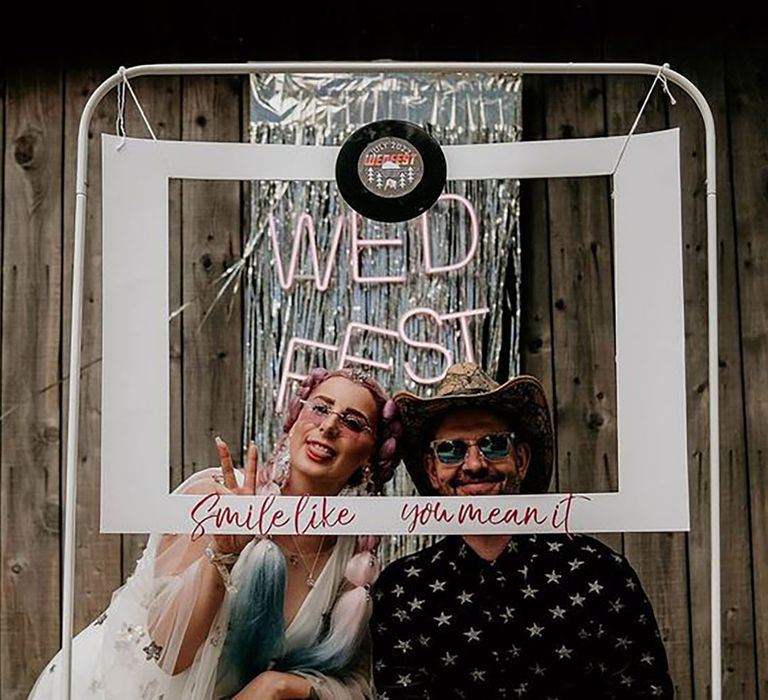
point(319, 451)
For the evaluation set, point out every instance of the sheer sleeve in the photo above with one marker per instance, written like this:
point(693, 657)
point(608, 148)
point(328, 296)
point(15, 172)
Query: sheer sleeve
point(132, 650)
point(150, 616)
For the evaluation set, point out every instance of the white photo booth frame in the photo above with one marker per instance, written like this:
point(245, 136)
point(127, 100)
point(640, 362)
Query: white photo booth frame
point(623, 382)
point(650, 342)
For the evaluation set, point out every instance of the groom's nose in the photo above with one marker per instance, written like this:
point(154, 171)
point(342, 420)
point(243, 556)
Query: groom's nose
point(474, 461)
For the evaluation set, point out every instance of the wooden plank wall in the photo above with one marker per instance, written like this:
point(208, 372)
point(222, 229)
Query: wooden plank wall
point(31, 346)
point(567, 333)
point(747, 100)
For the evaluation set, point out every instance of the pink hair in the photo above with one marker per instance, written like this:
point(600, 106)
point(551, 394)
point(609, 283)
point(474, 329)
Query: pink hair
point(352, 610)
point(386, 452)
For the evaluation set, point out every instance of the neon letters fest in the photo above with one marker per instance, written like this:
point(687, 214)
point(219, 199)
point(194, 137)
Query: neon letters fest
point(304, 237)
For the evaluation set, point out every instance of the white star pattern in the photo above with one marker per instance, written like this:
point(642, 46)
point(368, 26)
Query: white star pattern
point(449, 659)
point(514, 637)
point(472, 635)
point(557, 612)
point(403, 645)
point(595, 587)
point(534, 630)
point(443, 619)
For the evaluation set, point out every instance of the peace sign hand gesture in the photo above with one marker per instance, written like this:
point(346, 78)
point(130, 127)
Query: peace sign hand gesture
point(234, 544)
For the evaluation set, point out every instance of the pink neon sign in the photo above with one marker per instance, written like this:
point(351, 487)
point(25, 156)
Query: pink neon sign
point(456, 323)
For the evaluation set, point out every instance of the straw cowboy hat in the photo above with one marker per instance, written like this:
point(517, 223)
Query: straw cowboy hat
point(465, 385)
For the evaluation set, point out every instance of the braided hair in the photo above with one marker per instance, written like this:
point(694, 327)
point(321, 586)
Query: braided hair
point(254, 641)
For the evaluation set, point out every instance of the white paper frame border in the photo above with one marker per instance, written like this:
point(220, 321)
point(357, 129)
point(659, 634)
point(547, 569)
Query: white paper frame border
point(650, 345)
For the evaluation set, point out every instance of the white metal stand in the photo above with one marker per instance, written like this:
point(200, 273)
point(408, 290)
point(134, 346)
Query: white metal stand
point(81, 193)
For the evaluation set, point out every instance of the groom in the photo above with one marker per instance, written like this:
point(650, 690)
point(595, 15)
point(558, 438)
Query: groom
point(505, 616)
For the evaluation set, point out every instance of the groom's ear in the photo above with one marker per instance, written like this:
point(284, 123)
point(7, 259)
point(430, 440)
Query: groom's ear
point(522, 458)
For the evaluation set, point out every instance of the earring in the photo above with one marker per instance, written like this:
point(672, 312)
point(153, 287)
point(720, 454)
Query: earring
point(368, 484)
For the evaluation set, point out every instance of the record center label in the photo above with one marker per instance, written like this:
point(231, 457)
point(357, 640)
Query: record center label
point(390, 167)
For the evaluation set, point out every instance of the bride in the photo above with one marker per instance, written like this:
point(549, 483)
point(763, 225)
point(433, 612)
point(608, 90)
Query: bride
point(233, 616)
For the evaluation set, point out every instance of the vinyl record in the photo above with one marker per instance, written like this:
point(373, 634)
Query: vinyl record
point(390, 171)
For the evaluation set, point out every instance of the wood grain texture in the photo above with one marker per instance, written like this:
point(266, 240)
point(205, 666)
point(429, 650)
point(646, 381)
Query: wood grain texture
point(582, 293)
point(536, 351)
point(31, 343)
point(694, 59)
point(97, 556)
point(211, 235)
point(660, 559)
point(747, 109)
point(161, 101)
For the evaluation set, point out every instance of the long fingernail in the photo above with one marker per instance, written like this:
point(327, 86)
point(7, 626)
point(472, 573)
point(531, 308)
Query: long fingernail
point(219, 441)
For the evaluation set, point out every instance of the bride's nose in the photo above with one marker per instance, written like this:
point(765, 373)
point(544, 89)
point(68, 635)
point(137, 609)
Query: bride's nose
point(330, 424)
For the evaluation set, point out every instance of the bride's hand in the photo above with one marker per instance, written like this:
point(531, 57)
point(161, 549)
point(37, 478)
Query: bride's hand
point(234, 544)
point(274, 685)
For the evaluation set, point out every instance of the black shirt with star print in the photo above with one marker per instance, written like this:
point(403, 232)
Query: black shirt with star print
point(553, 617)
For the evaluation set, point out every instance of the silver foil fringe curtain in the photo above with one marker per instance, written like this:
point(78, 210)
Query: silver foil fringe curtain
point(324, 110)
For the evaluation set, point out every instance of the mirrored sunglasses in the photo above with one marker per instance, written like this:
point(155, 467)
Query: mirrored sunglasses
point(493, 447)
